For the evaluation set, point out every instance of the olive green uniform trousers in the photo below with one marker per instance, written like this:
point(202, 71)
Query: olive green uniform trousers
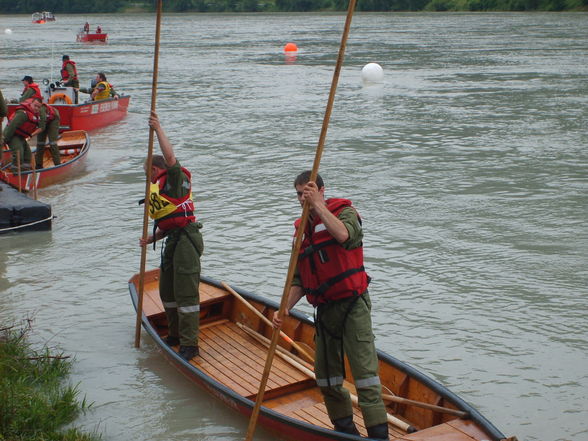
point(19, 146)
point(52, 132)
point(179, 282)
point(344, 327)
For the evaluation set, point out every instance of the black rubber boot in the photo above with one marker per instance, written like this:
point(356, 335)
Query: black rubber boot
point(346, 425)
point(188, 352)
point(379, 431)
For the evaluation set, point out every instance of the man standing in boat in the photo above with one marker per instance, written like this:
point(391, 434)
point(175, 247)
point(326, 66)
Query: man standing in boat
point(49, 122)
point(31, 89)
point(21, 126)
point(69, 75)
point(331, 274)
point(172, 208)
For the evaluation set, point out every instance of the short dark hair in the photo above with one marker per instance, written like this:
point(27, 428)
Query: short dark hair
point(65, 57)
point(102, 76)
point(158, 161)
point(304, 177)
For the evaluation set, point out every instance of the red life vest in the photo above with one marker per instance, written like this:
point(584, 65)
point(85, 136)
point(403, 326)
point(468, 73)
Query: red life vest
point(50, 112)
point(35, 87)
point(327, 270)
point(184, 212)
point(27, 128)
point(65, 74)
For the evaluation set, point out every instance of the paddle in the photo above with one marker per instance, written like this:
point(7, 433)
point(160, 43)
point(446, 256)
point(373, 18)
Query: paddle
point(34, 167)
point(148, 180)
point(18, 170)
point(302, 226)
point(296, 346)
point(400, 400)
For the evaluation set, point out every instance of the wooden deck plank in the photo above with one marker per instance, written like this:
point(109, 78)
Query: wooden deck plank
point(247, 378)
point(281, 368)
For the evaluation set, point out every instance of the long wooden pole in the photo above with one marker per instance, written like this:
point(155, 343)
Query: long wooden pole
point(267, 321)
point(148, 180)
point(302, 226)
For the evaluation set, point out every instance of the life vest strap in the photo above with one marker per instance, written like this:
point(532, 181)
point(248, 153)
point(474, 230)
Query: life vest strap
point(308, 251)
point(320, 291)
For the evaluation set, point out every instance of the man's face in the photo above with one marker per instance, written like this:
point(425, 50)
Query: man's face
point(25, 83)
point(36, 105)
point(299, 194)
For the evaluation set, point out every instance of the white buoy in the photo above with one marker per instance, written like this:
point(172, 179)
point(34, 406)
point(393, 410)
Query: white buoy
point(372, 73)
point(8, 31)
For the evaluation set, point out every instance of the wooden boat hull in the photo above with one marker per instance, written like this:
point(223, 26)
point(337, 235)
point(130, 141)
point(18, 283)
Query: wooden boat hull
point(293, 405)
point(88, 116)
point(85, 37)
point(73, 148)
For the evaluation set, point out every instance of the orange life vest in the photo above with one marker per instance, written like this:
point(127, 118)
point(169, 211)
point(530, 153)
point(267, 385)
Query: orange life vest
point(35, 87)
point(327, 270)
point(27, 128)
point(65, 74)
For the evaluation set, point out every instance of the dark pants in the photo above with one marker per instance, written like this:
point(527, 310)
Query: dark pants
point(52, 132)
point(344, 327)
point(179, 282)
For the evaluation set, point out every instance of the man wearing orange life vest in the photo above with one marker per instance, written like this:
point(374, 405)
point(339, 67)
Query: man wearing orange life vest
point(21, 126)
point(331, 274)
point(172, 208)
point(31, 89)
point(49, 122)
point(69, 75)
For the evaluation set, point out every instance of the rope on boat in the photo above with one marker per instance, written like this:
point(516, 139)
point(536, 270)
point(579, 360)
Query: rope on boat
point(26, 225)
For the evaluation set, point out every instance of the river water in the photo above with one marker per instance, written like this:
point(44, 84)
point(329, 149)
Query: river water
point(468, 164)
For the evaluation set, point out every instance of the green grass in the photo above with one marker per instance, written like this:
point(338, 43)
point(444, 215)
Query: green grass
point(35, 400)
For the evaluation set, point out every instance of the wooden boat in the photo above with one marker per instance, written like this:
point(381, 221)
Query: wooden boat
point(73, 148)
point(42, 17)
point(233, 347)
point(86, 37)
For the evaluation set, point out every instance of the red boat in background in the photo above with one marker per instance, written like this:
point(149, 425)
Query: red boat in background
point(86, 37)
point(42, 17)
point(87, 116)
point(73, 148)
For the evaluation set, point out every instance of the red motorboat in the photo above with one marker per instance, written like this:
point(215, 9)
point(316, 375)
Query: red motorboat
point(87, 116)
point(42, 17)
point(73, 148)
point(86, 37)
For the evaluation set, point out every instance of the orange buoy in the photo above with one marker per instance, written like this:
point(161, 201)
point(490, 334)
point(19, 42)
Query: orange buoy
point(290, 47)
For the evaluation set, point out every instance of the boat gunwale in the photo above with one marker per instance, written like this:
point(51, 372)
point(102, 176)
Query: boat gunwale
point(404, 367)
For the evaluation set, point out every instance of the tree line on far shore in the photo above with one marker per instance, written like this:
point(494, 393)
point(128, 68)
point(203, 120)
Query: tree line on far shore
point(110, 6)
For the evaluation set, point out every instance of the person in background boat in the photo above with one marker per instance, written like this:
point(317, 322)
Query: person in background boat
point(87, 28)
point(3, 113)
point(172, 209)
point(98, 29)
point(100, 88)
point(21, 126)
point(69, 75)
point(31, 89)
point(331, 274)
point(49, 122)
